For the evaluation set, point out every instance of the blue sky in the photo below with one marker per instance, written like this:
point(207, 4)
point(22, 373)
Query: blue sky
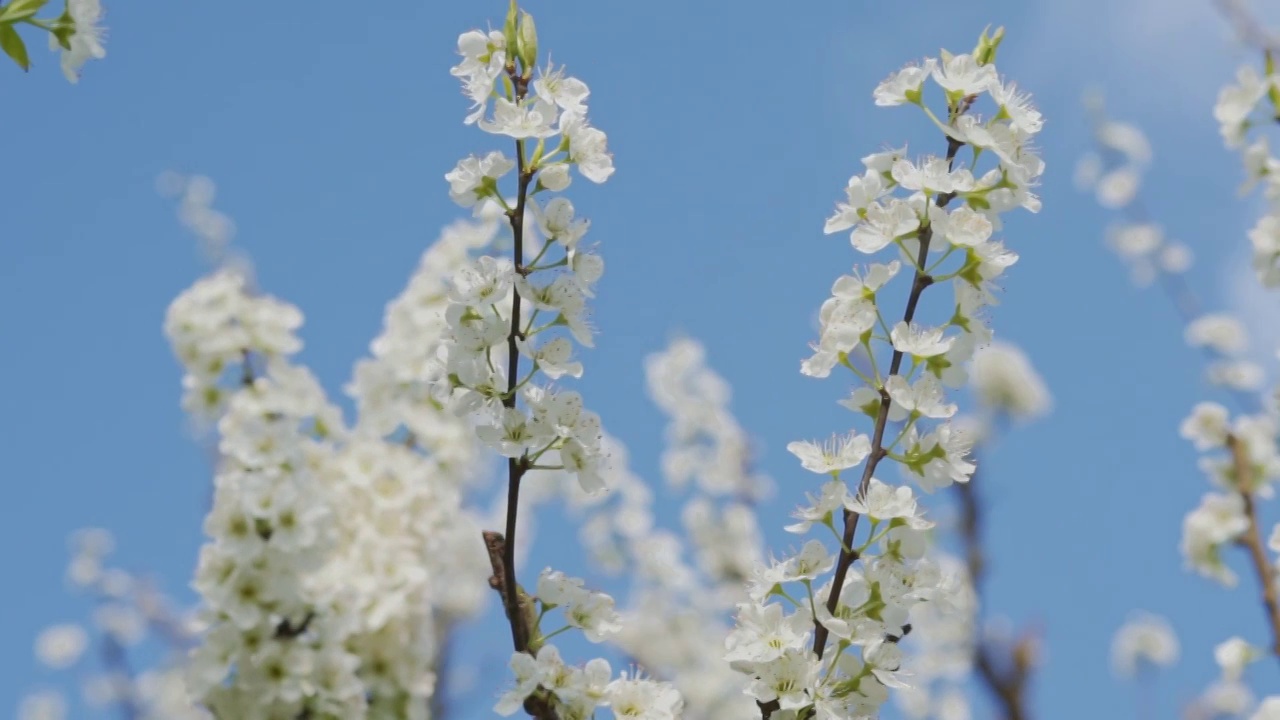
point(328, 131)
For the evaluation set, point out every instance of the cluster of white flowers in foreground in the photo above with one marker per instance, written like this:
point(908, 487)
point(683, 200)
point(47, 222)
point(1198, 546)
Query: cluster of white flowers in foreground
point(830, 648)
point(323, 583)
point(533, 306)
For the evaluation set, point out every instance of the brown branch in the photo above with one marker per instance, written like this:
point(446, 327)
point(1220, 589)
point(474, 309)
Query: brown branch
point(1251, 540)
point(502, 549)
point(516, 467)
point(286, 630)
point(1007, 686)
point(539, 705)
point(848, 556)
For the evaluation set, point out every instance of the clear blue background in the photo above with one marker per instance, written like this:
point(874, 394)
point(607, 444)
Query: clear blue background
point(734, 127)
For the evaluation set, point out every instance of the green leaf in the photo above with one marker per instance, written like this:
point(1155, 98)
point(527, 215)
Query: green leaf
point(13, 46)
point(20, 10)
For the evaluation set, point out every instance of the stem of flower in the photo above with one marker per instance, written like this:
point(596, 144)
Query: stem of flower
point(878, 452)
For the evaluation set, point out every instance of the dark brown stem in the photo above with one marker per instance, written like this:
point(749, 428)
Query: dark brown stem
point(502, 548)
point(1251, 540)
point(848, 555)
point(516, 467)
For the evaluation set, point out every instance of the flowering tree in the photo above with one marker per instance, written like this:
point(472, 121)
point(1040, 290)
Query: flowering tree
point(343, 554)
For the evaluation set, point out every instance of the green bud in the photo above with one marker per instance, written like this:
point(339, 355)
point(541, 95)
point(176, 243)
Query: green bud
point(528, 609)
point(1274, 93)
point(985, 52)
point(509, 29)
point(527, 42)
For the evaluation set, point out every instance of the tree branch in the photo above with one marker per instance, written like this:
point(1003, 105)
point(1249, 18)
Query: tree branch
point(848, 556)
point(1251, 540)
point(1008, 686)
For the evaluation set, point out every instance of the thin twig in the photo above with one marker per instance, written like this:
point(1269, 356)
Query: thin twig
point(1175, 287)
point(116, 660)
point(1247, 25)
point(1007, 686)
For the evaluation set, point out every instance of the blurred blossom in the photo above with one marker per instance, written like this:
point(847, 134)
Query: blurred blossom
point(60, 646)
point(1145, 638)
point(1005, 381)
point(123, 622)
point(1221, 332)
point(1118, 188)
point(46, 705)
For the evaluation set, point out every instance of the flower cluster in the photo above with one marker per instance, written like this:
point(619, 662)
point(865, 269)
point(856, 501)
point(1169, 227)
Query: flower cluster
point(486, 323)
point(534, 305)
point(1229, 695)
point(321, 581)
point(1114, 172)
point(1235, 112)
point(1249, 463)
point(1142, 244)
point(545, 682)
point(1242, 455)
point(833, 650)
point(706, 444)
point(271, 525)
point(672, 624)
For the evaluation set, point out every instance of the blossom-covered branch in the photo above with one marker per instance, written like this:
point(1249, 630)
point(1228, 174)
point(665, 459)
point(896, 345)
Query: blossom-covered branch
point(494, 322)
point(1248, 461)
point(785, 650)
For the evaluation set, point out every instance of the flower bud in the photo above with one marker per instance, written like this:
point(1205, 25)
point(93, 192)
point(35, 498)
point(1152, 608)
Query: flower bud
point(985, 52)
point(527, 43)
point(509, 33)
